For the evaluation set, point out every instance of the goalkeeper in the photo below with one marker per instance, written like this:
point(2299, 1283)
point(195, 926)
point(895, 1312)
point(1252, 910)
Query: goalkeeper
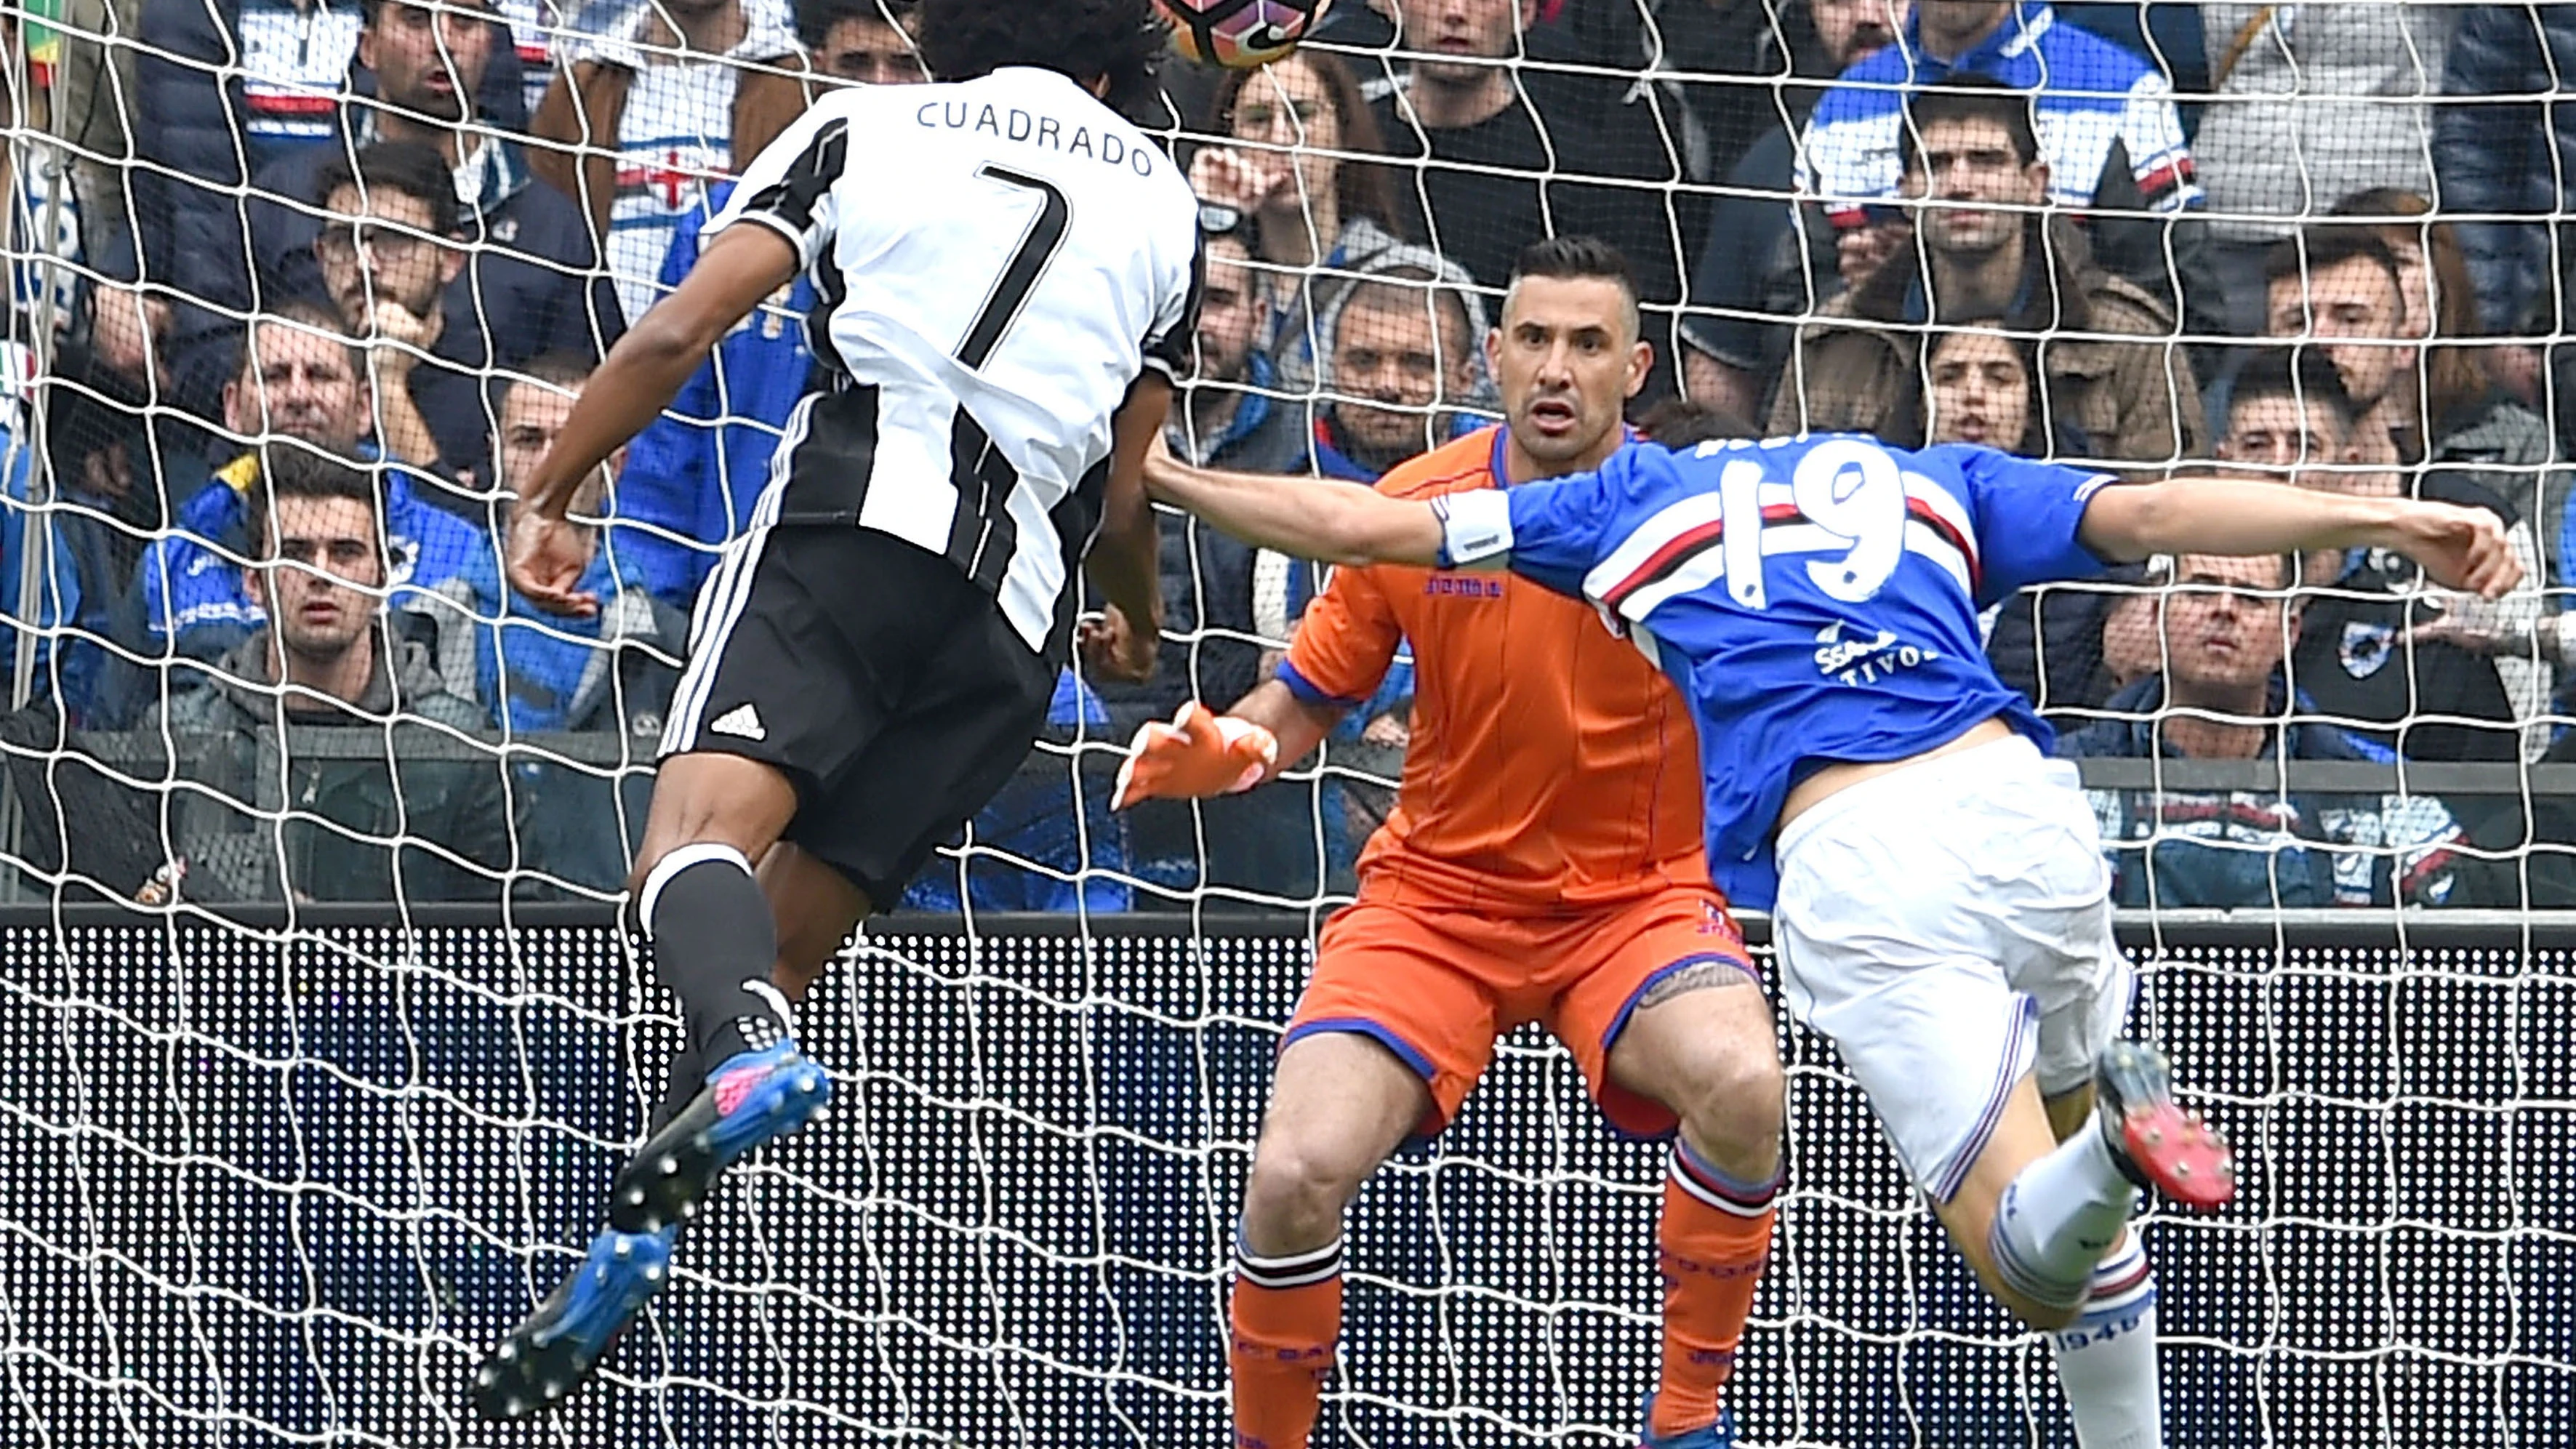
point(1817, 599)
point(1542, 863)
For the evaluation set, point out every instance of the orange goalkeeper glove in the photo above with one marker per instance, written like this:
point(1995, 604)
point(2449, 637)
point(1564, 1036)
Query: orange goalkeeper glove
point(1197, 755)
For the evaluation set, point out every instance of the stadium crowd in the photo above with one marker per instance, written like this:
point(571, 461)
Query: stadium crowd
point(299, 293)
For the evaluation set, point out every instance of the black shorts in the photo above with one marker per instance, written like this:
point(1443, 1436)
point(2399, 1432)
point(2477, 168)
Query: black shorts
point(890, 690)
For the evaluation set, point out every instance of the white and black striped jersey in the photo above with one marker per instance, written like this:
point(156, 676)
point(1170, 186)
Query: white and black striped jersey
point(995, 262)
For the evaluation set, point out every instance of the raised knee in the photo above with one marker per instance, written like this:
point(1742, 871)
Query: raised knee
point(1733, 1101)
point(1299, 1187)
point(716, 799)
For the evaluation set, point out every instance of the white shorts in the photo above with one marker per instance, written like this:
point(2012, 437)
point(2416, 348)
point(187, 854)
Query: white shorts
point(1948, 926)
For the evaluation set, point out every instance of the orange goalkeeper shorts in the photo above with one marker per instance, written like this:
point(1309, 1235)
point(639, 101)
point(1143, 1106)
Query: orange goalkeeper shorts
point(1439, 988)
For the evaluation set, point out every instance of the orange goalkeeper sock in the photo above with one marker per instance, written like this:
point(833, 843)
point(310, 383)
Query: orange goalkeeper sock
point(1714, 1239)
point(1286, 1317)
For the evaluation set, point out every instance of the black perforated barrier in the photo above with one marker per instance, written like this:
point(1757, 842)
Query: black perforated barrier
point(281, 1183)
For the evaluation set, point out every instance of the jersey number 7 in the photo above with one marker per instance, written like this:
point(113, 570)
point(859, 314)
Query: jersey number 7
point(1011, 290)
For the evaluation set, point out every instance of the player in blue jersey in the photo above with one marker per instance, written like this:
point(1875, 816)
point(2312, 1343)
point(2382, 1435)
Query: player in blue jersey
point(1816, 600)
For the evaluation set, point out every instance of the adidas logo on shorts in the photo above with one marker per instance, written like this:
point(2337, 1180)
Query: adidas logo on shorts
point(742, 720)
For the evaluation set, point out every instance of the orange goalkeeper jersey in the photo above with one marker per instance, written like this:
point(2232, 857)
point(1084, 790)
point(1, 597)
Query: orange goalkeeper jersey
point(1551, 767)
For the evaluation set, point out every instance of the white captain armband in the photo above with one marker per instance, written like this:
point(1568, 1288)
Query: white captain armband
point(1475, 528)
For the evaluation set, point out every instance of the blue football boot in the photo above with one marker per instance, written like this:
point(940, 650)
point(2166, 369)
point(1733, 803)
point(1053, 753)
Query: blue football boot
point(750, 1099)
point(552, 1352)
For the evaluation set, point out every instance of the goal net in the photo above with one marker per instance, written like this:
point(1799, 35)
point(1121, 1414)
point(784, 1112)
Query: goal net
point(318, 1038)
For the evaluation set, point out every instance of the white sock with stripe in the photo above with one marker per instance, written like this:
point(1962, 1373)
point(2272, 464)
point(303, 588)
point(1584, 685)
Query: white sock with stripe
point(2106, 1359)
point(2059, 1217)
point(1288, 1270)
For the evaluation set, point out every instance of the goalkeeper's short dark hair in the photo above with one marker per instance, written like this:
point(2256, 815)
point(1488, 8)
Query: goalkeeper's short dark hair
point(291, 468)
point(1569, 258)
point(1121, 40)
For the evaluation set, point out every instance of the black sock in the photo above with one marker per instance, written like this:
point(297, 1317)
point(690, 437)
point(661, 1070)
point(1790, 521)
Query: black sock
point(688, 1075)
point(714, 943)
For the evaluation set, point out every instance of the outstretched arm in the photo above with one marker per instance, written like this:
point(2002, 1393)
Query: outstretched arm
point(2462, 548)
point(1334, 522)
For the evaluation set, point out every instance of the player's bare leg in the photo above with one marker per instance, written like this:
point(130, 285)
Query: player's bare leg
point(1340, 1104)
point(1703, 1043)
point(816, 908)
point(2038, 1197)
point(708, 921)
point(2021, 1138)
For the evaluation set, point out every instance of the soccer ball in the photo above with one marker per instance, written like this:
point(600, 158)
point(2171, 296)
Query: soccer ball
point(1241, 34)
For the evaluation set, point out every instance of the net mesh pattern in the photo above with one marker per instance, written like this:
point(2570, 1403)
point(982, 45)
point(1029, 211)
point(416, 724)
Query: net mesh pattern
point(279, 1184)
point(269, 1190)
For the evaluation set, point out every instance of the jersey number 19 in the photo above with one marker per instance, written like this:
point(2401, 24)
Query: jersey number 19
point(1845, 495)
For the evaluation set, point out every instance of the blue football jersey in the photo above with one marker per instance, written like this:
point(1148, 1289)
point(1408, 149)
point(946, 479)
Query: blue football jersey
point(1816, 598)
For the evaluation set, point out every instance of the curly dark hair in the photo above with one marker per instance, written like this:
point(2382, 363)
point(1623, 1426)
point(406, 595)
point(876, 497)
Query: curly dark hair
point(1122, 40)
point(1681, 425)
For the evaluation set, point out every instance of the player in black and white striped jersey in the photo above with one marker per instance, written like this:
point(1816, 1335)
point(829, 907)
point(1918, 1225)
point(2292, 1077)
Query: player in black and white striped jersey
point(1005, 276)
